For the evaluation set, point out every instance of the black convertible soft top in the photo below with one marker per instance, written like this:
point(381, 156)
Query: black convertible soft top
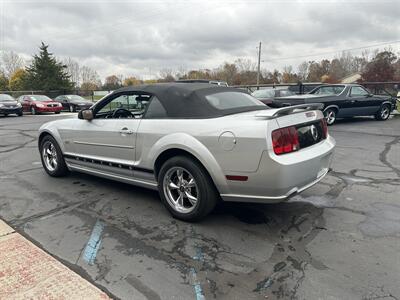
point(187, 100)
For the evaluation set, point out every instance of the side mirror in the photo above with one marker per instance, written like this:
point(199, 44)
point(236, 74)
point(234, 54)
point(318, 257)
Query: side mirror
point(370, 95)
point(86, 114)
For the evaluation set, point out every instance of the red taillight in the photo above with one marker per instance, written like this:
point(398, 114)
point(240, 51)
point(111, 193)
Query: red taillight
point(285, 140)
point(324, 128)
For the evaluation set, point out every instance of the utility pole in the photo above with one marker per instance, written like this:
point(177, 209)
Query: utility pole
point(258, 66)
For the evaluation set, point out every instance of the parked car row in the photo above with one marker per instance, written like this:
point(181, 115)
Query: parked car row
point(36, 104)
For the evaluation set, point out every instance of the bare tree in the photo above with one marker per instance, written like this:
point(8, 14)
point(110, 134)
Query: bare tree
point(245, 65)
point(89, 76)
point(73, 70)
point(11, 62)
point(302, 71)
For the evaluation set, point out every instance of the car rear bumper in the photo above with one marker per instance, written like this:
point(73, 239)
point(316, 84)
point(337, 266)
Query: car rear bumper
point(280, 177)
point(8, 111)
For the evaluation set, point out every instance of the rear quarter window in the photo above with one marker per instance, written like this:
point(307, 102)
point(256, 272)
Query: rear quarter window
point(232, 100)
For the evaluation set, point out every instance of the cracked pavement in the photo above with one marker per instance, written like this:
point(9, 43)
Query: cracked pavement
point(337, 240)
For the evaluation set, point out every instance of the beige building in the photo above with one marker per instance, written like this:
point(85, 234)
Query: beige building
point(353, 78)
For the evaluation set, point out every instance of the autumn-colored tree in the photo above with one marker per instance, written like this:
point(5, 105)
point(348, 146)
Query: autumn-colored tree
point(18, 80)
point(150, 81)
point(288, 76)
point(336, 71)
point(89, 86)
point(228, 72)
point(271, 77)
point(132, 81)
point(3, 82)
point(381, 68)
point(317, 69)
point(112, 82)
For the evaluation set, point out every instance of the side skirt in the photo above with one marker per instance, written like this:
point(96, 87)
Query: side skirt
point(143, 183)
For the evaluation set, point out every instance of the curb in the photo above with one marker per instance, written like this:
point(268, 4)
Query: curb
point(28, 272)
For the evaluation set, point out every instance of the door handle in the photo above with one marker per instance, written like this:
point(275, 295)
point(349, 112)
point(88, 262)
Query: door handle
point(125, 130)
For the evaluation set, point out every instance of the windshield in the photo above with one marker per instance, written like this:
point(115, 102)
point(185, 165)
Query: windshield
point(266, 93)
point(328, 90)
point(231, 100)
point(75, 98)
point(40, 98)
point(5, 97)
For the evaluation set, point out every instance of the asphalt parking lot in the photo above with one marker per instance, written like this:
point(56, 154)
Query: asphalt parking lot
point(338, 240)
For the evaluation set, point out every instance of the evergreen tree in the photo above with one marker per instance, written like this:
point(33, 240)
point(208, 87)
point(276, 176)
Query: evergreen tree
point(46, 73)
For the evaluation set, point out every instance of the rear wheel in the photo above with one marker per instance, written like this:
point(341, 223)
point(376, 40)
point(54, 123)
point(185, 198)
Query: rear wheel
point(186, 189)
point(383, 113)
point(52, 157)
point(330, 116)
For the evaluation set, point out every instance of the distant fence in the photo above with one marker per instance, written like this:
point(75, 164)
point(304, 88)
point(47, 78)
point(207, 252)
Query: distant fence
point(298, 88)
point(379, 88)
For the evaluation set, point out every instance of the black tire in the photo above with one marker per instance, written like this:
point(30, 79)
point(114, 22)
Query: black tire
point(330, 116)
point(56, 112)
point(5, 115)
point(383, 113)
point(33, 110)
point(72, 108)
point(206, 193)
point(20, 114)
point(61, 168)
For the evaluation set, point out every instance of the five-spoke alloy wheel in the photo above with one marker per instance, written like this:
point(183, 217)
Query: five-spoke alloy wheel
point(49, 155)
point(330, 116)
point(383, 113)
point(181, 189)
point(186, 188)
point(52, 158)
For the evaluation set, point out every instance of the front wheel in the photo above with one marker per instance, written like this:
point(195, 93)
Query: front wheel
point(383, 113)
point(52, 157)
point(20, 114)
point(186, 189)
point(330, 116)
point(56, 112)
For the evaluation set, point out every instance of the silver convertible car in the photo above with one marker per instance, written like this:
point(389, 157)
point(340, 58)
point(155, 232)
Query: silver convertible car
point(195, 143)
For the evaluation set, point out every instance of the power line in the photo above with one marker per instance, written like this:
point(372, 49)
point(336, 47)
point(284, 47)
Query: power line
point(332, 52)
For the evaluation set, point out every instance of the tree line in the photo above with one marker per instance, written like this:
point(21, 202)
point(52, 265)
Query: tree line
point(45, 72)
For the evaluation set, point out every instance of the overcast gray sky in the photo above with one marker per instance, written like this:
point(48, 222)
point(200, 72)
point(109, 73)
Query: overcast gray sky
point(143, 37)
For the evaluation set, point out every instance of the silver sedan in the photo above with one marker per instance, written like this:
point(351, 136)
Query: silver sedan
point(195, 143)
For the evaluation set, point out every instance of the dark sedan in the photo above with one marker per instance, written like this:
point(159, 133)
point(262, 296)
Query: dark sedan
point(266, 96)
point(73, 102)
point(342, 101)
point(8, 105)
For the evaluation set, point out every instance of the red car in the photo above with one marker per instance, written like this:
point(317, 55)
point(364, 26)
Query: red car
point(37, 104)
